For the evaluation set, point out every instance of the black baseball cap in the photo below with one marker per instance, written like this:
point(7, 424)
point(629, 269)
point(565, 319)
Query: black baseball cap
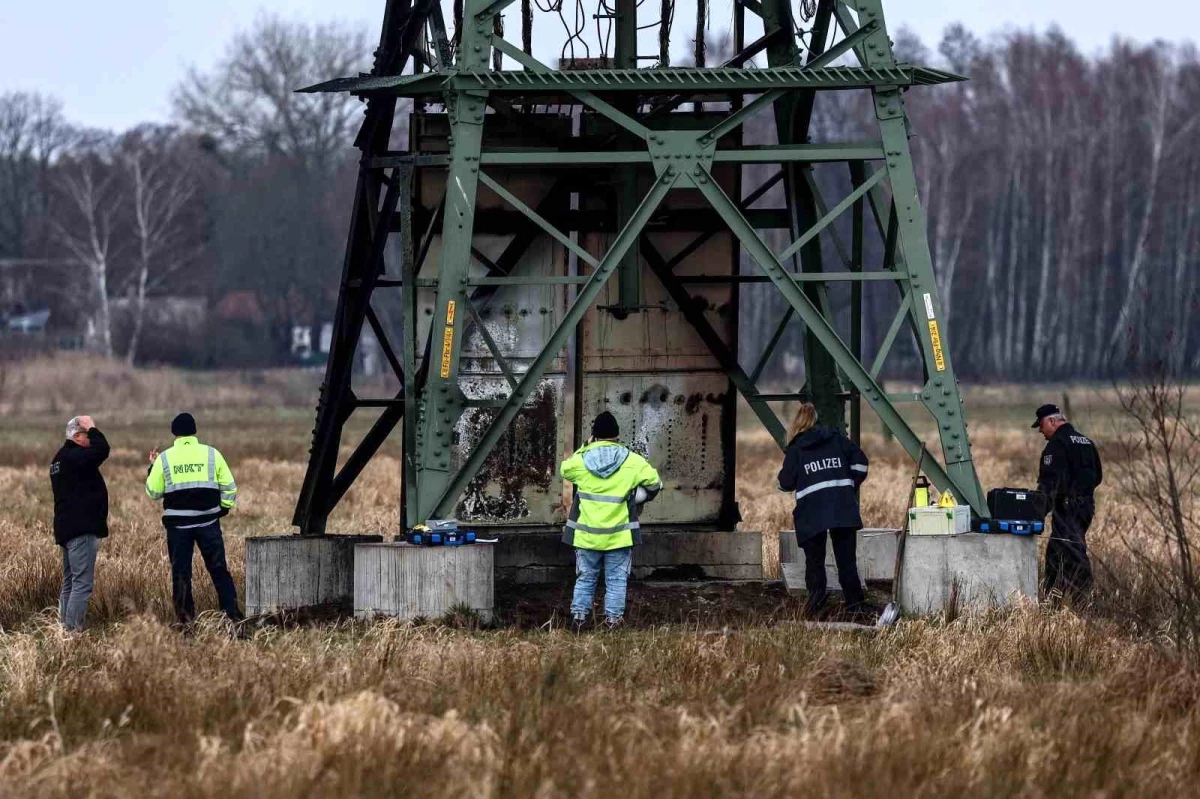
point(1046, 410)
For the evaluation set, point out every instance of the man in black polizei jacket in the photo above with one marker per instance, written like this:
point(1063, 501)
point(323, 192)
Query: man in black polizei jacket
point(80, 515)
point(1069, 473)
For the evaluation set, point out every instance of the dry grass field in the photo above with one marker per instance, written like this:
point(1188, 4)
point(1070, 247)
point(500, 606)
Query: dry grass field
point(1032, 701)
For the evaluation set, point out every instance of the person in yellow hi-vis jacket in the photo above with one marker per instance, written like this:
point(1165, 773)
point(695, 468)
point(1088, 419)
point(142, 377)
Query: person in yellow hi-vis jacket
point(611, 484)
point(197, 489)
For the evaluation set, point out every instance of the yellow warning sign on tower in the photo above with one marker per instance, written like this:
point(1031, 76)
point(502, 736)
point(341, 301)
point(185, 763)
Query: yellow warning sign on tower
point(939, 360)
point(447, 348)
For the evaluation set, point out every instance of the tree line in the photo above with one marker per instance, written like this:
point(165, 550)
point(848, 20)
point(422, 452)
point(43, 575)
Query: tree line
point(1060, 191)
point(241, 202)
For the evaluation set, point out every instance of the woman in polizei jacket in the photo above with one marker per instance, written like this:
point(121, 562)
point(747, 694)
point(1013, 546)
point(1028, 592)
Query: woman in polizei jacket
point(824, 469)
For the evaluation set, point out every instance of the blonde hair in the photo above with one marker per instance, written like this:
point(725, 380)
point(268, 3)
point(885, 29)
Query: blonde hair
point(806, 417)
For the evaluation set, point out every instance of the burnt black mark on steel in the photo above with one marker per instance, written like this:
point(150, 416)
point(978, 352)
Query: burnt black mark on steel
point(525, 458)
point(657, 394)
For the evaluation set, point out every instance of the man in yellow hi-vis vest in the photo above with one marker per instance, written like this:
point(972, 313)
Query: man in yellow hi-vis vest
point(611, 484)
point(197, 489)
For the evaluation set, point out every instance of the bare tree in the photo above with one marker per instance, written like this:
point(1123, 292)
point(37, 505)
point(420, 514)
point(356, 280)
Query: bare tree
point(161, 185)
point(32, 133)
point(249, 102)
point(88, 190)
point(1157, 86)
point(1160, 470)
point(1061, 201)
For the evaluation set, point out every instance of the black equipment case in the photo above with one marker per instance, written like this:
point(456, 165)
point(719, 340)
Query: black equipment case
point(1017, 503)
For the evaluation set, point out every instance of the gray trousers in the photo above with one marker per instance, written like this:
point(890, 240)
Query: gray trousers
point(78, 577)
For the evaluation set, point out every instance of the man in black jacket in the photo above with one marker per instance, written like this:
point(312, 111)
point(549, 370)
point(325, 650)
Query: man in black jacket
point(80, 515)
point(1069, 473)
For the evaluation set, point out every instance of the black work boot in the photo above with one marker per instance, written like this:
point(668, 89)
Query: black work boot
point(814, 606)
point(863, 611)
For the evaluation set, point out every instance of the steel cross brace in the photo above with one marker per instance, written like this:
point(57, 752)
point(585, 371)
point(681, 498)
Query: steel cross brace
point(586, 97)
point(700, 240)
point(744, 383)
point(768, 99)
point(364, 258)
point(820, 327)
point(604, 269)
point(833, 214)
point(477, 301)
point(940, 393)
point(322, 489)
point(804, 239)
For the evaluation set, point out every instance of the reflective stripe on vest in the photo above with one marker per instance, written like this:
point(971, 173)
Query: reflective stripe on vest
point(822, 486)
point(181, 512)
point(601, 498)
point(583, 528)
point(195, 526)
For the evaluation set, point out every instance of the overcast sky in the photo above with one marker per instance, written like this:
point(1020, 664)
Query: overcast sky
point(114, 64)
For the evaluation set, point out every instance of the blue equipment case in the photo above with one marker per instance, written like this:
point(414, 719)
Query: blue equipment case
point(1011, 527)
point(450, 539)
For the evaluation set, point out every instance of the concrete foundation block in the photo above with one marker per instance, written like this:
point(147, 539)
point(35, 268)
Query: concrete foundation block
point(408, 581)
point(875, 550)
point(789, 550)
point(718, 556)
point(541, 557)
point(794, 582)
point(294, 572)
point(877, 554)
point(529, 558)
point(988, 570)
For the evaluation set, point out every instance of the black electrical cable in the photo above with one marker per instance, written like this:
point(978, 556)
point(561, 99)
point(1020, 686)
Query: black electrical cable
point(498, 31)
point(603, 12)
point(526, 27)
point(666, 20)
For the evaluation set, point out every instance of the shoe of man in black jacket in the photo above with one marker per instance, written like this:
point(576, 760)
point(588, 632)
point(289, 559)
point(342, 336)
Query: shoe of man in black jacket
point(80, 515)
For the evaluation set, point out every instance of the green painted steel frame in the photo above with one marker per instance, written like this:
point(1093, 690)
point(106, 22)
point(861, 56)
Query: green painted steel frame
point(715, 80)
point(680, 159)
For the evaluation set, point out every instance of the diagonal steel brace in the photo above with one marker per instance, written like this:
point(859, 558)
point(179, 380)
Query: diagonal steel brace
point(821, 328)
point(524, 389)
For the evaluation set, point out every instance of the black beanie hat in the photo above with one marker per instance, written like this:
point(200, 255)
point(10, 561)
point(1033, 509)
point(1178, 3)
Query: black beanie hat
point(605, 426)
point(183, 425)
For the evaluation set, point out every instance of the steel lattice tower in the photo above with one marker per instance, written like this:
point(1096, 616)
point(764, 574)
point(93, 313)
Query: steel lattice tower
point(577, 196)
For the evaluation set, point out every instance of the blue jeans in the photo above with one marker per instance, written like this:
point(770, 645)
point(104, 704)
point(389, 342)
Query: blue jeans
point(78, 577)
point(588, 563)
